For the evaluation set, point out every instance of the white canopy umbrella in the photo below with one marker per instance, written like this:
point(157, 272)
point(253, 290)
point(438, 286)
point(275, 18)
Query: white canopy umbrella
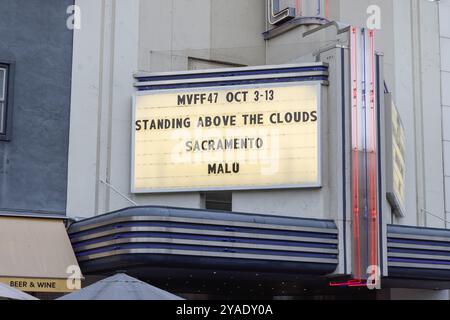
point(120, 287)
point(6, 292)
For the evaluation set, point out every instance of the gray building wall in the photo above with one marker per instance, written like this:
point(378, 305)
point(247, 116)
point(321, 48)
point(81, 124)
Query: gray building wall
point(33, 164)
point(444, 21)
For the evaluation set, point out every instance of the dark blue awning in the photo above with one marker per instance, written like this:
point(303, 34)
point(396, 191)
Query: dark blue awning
point(170, 237)
point(314, 71)
point(419, 253)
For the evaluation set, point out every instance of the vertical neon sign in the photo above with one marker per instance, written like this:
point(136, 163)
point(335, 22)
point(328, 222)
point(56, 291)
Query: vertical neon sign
point(364, 152)
point(298, 7)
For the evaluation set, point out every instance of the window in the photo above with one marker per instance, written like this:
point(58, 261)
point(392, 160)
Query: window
point(218, 201)
point(5, 100)
point(3, 74)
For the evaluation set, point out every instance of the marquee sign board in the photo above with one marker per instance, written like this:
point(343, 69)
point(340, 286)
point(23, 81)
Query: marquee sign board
point(396, 160)
point(263, 136)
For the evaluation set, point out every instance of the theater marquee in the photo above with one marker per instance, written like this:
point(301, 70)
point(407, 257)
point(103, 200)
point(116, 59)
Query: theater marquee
point(233, 138)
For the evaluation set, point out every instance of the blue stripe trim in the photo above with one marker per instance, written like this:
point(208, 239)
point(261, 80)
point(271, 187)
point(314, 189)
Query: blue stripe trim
point(230, 83)
point(419, 242)
point(419, 231)
point(421, 261)
point(431, 253)
point(230, 74)
point(205, 249)
point(175, 225)
point(419, 274)
point(204, 238)
point(379, 164)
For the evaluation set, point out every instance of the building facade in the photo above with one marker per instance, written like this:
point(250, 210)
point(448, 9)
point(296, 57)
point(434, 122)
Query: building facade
point(122, 49)
point(176, 51)
point(370, 202)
